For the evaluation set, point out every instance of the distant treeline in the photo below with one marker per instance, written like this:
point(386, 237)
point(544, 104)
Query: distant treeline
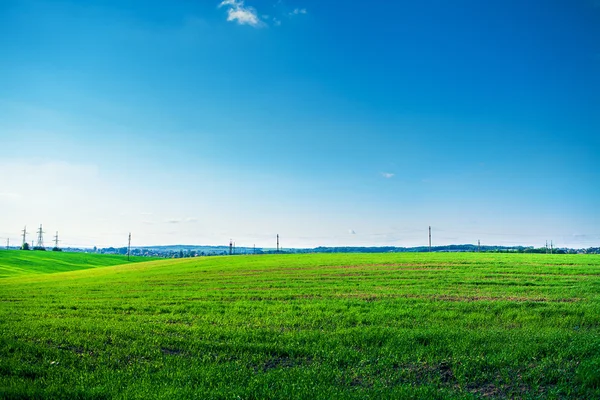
point(453, 248)
point(183, 251)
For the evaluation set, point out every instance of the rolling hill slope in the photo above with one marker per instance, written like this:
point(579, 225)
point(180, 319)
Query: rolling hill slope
point(16, 262)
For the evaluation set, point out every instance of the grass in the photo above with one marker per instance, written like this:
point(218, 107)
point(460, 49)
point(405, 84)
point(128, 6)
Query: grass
point(15, 263)
point(307, 326)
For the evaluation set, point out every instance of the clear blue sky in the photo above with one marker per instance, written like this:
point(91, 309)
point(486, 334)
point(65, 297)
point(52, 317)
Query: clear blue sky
point(330, 123)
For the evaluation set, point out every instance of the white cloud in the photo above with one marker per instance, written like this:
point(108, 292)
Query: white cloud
point(387, 175)
point(189, 220)
point(243, 15)
point(298, 11)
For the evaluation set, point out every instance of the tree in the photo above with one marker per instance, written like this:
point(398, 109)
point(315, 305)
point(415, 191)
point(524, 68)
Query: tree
point(25, 246)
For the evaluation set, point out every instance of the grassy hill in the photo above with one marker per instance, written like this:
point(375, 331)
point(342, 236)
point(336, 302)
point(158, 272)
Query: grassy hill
point(307, 326)
point(15, 262)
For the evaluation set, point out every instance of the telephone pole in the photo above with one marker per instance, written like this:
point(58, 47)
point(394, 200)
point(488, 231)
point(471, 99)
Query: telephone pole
point(40, 242)
point(24, 235)
point(278, 242)
point(129, 246)
point(430, 238)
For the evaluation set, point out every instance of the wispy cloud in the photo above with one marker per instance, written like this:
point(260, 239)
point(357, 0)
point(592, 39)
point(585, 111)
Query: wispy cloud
point(298, 11)
point(189, 220)
point(240, 13)
point(387, 175)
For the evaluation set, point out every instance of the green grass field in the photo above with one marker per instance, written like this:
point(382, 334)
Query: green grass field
point(14, 263)
point(332, 326)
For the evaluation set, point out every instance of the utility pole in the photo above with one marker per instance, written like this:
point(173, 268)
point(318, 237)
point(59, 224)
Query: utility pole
point(40, 243)
point(278, 242)
point(234, 247)
point(478, 246)
point(546, 247)
point(551, 246)
point(24, 235)
point(7, 243)
point(254, 249)
point(129, 246)
point(56, 241)
point(230, 247)
point(430, 238)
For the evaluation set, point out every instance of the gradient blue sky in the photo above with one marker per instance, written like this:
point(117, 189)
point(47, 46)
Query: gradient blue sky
point(330, 123)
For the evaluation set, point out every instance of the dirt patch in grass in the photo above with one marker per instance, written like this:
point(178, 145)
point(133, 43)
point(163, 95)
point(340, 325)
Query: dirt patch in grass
point(171, 352)
point(427, 372)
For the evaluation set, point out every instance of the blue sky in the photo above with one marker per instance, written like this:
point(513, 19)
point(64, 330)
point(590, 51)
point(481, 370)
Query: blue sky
point(357, 123)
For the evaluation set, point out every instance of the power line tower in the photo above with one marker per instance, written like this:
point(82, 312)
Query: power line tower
point(430, 238)
point(546, 247)
point(551, 246)
point(230, 247)
point(56, 242)
point(478, 246)
point(7, 243)
point(129, 246)
point(24, 235)
point(278, 242)
point(40, 240)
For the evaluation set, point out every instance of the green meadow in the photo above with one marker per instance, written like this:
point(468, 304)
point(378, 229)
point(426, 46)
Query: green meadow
point(13, 263)
point(314, 326)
